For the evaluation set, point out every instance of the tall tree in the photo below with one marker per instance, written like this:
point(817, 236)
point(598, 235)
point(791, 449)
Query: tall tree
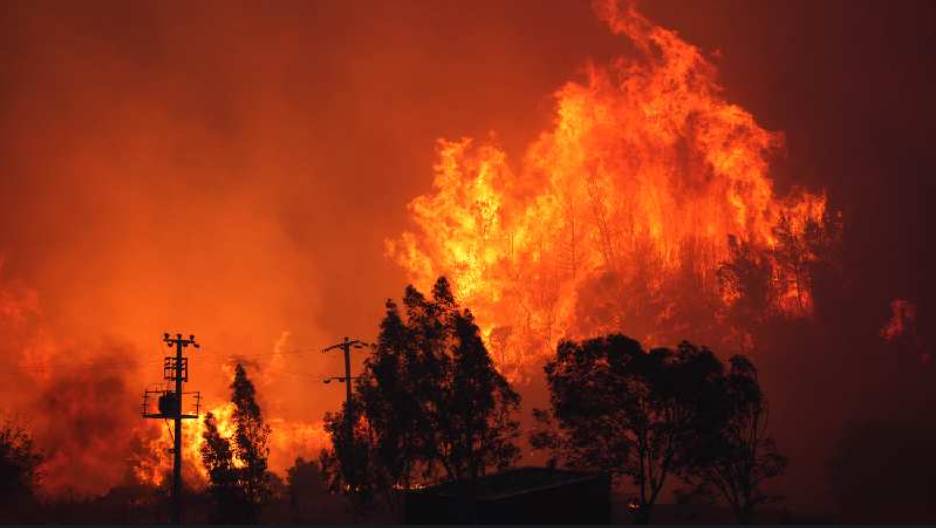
point(237, 468)
point(434, 404)
point(793, 257)
point(223, 478)
point(738, 456)
point(251, 440)
point(349, 466)
point(618, 408)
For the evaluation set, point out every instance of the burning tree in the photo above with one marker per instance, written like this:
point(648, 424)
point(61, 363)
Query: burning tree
point(647, 181)
point(744, 280)
point(761, 284)
point(237, 468)
point(432, 405)
point(629, 411)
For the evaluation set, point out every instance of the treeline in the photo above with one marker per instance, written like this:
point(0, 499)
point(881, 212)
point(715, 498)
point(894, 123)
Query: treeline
point(659, 414)
point(430, 406)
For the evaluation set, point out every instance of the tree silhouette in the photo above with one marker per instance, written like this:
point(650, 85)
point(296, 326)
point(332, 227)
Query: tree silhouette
point(19, 469)
point(237, 468)
point(618, 408)
point(793, 257)
point(739, 456)
point(223, 478)
point(387, 448)
point(433, 404)
point(251, 439)
point(349, 466)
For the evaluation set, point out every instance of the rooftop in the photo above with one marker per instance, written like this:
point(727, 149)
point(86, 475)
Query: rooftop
point(517, 481)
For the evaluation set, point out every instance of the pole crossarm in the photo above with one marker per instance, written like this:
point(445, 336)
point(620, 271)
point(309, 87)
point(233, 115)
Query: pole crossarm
point(348, 343)
point(179, 341)
point(341, 379)
point(345, 346)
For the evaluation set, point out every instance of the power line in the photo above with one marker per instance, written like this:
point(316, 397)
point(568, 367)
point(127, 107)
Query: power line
point(261, 355)
point(90, 363)
point(95, 362)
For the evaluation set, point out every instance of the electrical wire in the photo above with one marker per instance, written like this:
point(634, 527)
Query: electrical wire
point(98, 363)
point(171, 436)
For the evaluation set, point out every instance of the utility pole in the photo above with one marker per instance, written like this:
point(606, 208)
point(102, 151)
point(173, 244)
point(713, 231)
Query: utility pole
point(175, 370)
point(346, 345)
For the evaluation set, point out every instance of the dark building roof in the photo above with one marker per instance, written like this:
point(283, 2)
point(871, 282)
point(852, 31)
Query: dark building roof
point(516, 496)
point(516, 481)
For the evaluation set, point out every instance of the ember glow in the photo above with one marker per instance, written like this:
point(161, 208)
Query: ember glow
point(902, 321)
point(645, 174)
point(901, 330)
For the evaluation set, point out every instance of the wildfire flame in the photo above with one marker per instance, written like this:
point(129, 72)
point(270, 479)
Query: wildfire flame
point(287, 439)
point(903, 318)
point(645, 173)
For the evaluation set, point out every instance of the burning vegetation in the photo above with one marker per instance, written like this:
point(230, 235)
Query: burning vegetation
point(639, 208)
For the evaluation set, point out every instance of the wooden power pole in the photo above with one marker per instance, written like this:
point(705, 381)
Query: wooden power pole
point(175, 371)
point(346, 345)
